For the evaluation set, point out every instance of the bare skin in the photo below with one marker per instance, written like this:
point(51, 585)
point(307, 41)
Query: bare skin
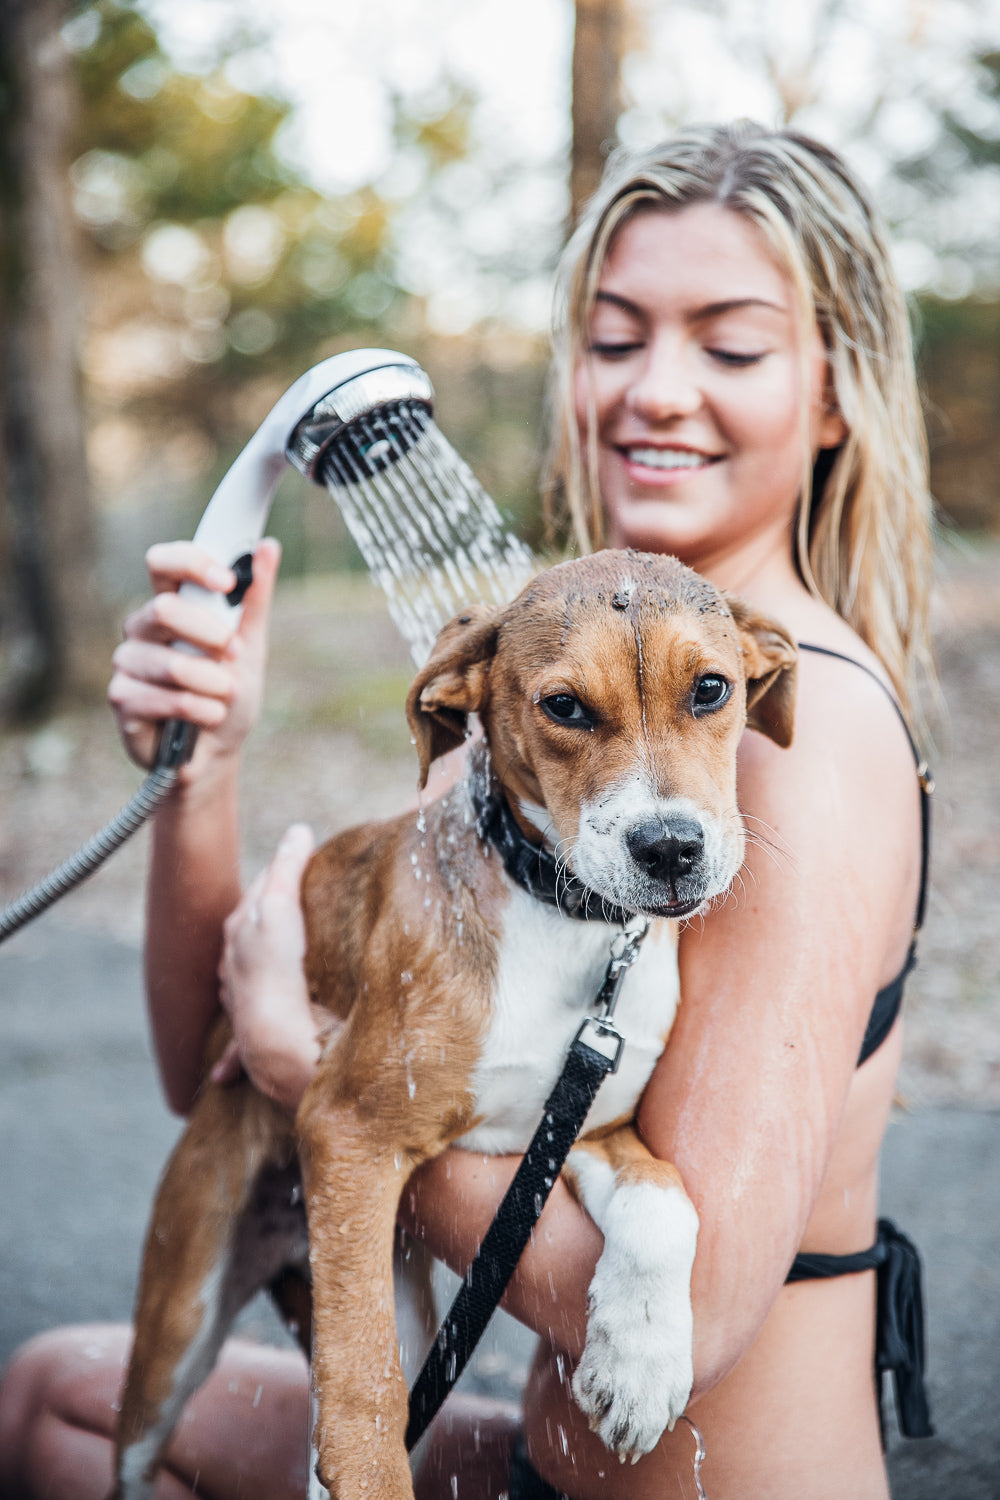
point(757, 1098)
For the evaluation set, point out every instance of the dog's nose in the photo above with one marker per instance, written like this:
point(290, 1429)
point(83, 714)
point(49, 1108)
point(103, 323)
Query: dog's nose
point(667, 851)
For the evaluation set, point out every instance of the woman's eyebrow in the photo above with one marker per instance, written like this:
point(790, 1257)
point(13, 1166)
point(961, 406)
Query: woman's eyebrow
point(699, 314)
point(732, 304)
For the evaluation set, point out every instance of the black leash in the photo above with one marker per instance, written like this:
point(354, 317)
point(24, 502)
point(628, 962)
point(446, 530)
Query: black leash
point(596, 1051)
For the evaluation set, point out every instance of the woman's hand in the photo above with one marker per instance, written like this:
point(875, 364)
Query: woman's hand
point(219, 686)
point(277, 1033)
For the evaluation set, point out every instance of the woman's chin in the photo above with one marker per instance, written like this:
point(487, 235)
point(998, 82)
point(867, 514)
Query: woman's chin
point(653, 525)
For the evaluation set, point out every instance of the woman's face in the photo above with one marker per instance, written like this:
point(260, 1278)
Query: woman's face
point(694, 367)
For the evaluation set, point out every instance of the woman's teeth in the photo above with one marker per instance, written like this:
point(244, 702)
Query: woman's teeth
point(667, 458)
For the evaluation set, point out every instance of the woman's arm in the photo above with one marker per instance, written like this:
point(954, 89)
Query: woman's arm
point(749, 1096)
point(194, 878)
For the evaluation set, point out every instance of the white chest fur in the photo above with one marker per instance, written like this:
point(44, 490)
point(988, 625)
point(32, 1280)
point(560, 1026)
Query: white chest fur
point(550, 970)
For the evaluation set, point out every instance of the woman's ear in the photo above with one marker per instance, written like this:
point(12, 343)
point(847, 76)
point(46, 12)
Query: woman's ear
point(452, 684)
point(770, 657)
point(831, 429)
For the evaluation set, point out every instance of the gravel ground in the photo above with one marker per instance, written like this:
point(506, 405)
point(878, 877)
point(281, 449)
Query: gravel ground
point(333, 748)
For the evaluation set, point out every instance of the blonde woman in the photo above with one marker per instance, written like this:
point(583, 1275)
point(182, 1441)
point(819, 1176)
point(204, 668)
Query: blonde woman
point(734, 385)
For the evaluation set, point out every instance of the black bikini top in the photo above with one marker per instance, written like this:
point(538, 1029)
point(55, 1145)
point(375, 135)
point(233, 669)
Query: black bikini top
point(890, 997)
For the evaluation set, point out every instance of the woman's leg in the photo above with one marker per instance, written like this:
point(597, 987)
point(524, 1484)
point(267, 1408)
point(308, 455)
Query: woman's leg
point(468, 1450)
point(245, 1432)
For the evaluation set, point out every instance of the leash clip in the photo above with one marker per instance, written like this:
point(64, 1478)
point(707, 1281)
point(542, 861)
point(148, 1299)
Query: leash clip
point(598, 1032)
point(624, 952)
point(601, 1037)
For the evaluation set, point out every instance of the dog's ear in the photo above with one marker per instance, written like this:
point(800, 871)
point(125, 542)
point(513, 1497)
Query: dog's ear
point(452, 683)
point(770, 656)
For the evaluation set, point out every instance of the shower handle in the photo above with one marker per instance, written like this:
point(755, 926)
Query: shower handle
point(299, 429)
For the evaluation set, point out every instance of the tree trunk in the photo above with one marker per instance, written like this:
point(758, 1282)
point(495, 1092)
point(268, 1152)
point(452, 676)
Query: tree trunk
point(599, 43)
point(50, 616)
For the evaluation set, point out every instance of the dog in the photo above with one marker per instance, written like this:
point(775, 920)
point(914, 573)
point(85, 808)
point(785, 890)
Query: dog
point(612, 695)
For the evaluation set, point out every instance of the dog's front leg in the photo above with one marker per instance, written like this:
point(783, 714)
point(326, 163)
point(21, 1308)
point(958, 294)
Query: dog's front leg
point(634, 1377)
point(353, 1185)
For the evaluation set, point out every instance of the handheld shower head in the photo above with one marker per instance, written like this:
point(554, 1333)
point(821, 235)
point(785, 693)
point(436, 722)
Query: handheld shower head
point(300, 429)
point(361, 425)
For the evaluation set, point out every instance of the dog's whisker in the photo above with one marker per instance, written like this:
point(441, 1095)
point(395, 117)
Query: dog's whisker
point(766, 835)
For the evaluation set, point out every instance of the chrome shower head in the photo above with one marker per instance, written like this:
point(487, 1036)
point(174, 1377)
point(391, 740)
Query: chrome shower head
point(304, 427)
point(363, 425)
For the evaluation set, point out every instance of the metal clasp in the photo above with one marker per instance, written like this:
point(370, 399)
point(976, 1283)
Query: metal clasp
point(597, 1032)
point(624, 952)
point(601, 1037)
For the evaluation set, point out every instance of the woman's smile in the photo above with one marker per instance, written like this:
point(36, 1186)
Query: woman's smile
point(653, 465)
point(696, 381)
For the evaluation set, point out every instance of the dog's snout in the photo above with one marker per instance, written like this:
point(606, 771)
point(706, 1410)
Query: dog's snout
point(667, 851)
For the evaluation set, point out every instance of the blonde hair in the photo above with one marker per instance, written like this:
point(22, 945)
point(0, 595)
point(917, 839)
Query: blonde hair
point(863, 541)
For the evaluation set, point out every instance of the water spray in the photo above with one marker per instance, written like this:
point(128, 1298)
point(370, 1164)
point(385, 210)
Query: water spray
point(360, 424)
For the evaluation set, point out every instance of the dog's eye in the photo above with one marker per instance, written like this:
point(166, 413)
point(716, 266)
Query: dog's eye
point(710, 692)
point(565, 709)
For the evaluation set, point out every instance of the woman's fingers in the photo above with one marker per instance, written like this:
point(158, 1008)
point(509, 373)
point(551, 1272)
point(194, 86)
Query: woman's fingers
point(150, 662)
point(258, 598)
point(261, 980)
point(229, 1067)
point(182, 660)
point(168, 618)
point(170, 564)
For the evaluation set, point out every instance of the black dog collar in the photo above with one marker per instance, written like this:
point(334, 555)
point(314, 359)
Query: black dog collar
point(532, 866)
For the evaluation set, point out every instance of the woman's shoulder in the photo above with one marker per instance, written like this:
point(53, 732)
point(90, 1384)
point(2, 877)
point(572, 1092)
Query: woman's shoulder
point(850, 762)
point(843, 687)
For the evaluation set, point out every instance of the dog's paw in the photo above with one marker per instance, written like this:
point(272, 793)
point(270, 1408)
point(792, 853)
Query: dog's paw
point(629, 1399)
point(634, 1378)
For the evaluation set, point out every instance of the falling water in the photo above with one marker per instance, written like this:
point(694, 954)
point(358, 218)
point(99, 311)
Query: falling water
point(431, 537)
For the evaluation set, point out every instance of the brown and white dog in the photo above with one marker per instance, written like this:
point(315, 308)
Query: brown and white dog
point(612, 693)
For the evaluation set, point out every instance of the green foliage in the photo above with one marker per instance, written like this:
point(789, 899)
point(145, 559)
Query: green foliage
point(265, 268)
point(199, 147)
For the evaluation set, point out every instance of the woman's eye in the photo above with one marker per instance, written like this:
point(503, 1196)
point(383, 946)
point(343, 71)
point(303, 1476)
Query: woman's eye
point(710, 692)
point(565, 709)
point(608, 349)
point(736, 359)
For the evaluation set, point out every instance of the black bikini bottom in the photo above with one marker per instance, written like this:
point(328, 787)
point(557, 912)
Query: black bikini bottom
point(899, 1341)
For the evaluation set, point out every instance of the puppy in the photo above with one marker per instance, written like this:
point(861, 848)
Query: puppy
point(612, 693)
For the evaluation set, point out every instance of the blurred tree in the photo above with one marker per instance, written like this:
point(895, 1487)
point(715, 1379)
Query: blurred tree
point(200, 233)
point(601, 37)
point(49, 610)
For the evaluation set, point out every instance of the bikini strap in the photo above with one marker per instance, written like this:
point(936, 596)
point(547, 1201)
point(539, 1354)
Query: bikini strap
point(924, 777)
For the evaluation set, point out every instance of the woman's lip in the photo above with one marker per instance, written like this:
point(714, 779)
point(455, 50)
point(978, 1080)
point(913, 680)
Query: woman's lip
point(644, 461)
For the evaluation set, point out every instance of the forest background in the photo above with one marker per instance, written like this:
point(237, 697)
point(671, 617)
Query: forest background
point(173, 253)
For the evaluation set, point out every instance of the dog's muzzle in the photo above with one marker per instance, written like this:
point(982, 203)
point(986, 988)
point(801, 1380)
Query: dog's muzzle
point(670, 857)
point(657, 857)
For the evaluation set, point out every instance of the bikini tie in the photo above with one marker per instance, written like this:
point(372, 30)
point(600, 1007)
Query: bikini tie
point(899, 1317)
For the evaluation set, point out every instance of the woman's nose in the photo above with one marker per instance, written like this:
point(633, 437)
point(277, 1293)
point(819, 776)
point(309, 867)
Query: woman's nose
point(666, 386)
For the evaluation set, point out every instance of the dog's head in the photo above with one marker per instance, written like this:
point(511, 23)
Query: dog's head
point(613, 693)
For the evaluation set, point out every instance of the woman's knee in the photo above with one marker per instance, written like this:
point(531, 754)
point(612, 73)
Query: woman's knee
point(67, 1377)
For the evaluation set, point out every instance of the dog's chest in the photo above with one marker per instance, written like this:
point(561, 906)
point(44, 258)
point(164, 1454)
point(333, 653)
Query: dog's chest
point(549, 972)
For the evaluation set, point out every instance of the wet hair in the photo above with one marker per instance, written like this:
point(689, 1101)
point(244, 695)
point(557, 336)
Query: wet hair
point(863, 538)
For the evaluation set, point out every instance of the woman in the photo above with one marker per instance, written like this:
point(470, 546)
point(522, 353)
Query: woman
point(735, 386)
